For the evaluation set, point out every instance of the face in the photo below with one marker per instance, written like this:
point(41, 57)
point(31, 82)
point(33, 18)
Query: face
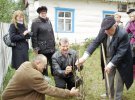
point(43, 14)
point(110, 31)
point(117, 18)
point(132, 17)
point(19, 18)
point(40, 66)
point(64, 47)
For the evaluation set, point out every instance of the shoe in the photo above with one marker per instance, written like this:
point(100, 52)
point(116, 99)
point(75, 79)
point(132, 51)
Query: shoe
point(104, 96)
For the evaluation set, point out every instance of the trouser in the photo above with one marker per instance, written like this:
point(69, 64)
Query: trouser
point(49, 62)
point(64, 82)
point(134, 67)
point(134, 71)
point(118, 91)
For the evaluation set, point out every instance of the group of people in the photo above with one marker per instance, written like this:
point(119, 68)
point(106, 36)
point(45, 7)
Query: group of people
point(28, 81)
point(118, 53)
point(29, 75)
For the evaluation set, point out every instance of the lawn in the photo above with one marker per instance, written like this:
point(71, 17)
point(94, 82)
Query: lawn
point(93, 83)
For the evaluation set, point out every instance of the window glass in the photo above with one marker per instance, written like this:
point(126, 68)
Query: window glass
point(68, 25)
point(60, 24)
point(67, 14)
point(64, 20)
point(61, 14)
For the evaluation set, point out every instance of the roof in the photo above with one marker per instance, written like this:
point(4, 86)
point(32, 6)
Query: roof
point(128, 1)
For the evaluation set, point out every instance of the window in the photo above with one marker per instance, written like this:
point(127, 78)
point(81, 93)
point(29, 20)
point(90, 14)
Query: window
point(64, 18)
point(122, 7)
point(108, 13)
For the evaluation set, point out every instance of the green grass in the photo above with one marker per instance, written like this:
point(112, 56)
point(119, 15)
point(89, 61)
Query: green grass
point(93, 83)
point(7, 78)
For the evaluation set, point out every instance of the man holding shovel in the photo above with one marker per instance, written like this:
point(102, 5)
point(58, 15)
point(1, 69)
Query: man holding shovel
point(116, 60)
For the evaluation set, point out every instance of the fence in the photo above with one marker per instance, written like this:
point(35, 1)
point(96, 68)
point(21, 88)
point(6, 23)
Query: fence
point(5, 53)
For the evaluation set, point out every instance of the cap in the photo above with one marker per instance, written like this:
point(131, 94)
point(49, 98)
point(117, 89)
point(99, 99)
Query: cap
point(130, 11)
point(107, 22)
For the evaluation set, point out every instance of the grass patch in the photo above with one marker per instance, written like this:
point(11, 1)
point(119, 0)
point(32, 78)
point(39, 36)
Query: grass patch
point(8, 76)
point(94, 86)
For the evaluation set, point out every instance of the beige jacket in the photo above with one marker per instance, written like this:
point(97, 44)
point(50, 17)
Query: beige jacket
point(28, 84)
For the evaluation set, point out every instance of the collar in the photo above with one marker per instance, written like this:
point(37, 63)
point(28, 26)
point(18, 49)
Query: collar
point(116, 31)
point(42, 19)
point(60, 54)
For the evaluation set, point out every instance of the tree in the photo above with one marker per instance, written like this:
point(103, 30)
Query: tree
point(7, 7)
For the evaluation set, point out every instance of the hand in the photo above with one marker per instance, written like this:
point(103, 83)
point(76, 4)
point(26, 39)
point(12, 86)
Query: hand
point(107, 69)
point(79, 62)
point(68, 69)
point(25, 32)
point(74, 92)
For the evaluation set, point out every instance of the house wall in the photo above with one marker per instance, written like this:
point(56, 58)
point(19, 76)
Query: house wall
point(88, 16)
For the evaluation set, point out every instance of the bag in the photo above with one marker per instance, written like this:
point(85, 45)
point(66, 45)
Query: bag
point(7, 40)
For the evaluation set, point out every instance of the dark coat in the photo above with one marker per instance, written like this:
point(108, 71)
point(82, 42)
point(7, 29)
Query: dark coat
point(60, 62)
point(43, 36)
point(120, 53)
point(20, 51)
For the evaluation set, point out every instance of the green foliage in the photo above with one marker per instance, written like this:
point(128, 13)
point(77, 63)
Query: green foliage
point(7, 7)
point(94, 86)
point(8, 76)
point(75, 46)
point(87, 42)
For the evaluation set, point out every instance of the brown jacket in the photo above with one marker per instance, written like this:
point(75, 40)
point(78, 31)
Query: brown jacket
point(29, 84)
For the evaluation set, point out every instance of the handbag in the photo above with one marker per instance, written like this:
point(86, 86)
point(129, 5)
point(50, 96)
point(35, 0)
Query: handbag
point(7, 40)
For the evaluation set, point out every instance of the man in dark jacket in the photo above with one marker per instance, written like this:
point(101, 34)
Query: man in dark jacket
point(43, 40)
point(117, 53)
point(63, 63)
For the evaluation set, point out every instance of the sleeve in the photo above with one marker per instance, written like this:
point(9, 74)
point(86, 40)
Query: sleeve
point(99, 39)
point(40, 85)
point(128, 28)
point(85, 55)
point(34, 29)
point(56, 67)
point(14, 35)
point(121, 50)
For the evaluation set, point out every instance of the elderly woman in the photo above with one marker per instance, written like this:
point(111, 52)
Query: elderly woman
point(117, 18)
point(43, 40)
point(131, 30)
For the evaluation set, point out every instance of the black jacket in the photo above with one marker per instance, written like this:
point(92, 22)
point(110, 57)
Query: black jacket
point(60, 62)
point(20, 51)
point(120, 53)
point(43, 35)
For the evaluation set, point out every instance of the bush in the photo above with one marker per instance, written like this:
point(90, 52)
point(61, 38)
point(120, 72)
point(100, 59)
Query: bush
point(75, 46)
point(87, 42)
